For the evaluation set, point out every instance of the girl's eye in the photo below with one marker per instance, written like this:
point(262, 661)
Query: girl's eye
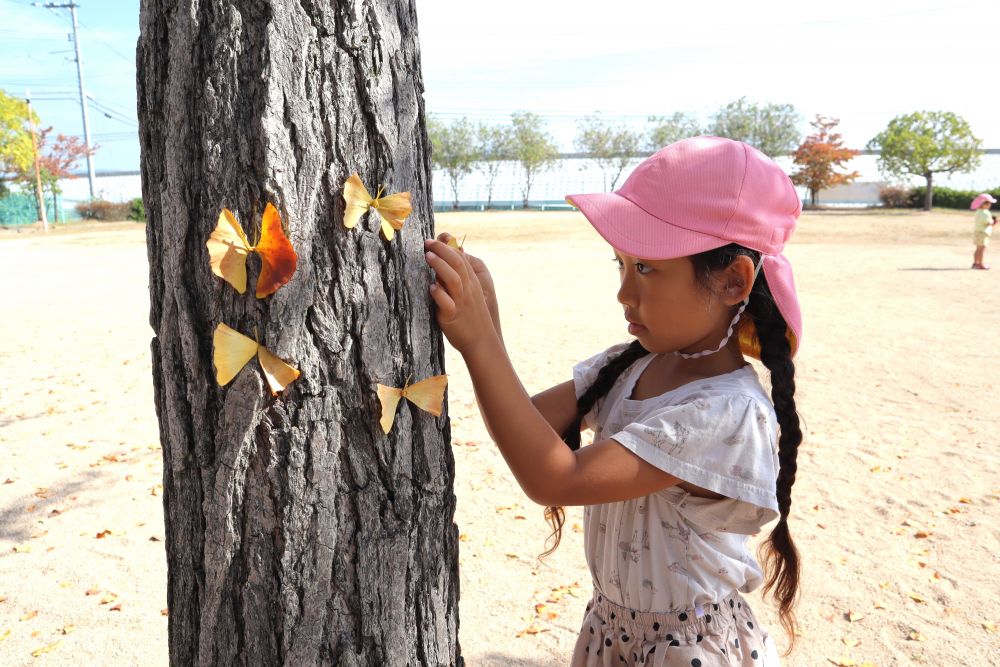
point(619, 263)
point(641, 268)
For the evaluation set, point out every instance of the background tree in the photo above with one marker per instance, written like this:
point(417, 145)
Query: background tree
point(494, 146)
point(454, 150)
point(925, 143)
point(56, 158)
point(533, 148)
point(16, 155)
point(666, 130)
point(770, 128)
point(820, 156)
point(296, 532)
point(612, 147)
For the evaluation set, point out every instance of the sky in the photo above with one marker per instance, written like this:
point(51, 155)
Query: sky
point(863, 62)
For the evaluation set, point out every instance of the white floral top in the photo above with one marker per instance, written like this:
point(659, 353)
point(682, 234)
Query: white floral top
point(671, 551)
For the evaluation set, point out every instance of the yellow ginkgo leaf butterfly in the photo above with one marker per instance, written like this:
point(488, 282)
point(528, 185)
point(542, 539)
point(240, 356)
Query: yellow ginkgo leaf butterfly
point(232, 352)
point(228, 248)
point(427, 395)
point(392, 209)
point(456, 244)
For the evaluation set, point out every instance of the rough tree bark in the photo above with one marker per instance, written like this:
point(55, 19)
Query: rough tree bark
point(296, 532)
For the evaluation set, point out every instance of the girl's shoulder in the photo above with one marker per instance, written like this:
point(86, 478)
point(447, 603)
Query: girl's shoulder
point(736, 397)
point(739, 386)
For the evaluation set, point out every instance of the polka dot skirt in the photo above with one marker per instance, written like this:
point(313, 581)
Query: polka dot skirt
point(727, 634)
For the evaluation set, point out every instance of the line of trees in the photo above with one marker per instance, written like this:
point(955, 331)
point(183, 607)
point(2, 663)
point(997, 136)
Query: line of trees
point(919, 144)
point(461, 147)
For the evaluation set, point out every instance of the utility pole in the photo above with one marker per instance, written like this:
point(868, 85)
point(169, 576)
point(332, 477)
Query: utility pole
point(71, 6)
point(38, 171)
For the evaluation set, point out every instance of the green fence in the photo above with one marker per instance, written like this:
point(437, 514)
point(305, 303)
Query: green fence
point(17, 209)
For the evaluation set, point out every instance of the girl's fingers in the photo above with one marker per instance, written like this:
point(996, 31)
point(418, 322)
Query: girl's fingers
point(446, 275)
point(445, 304)
point(453, 258)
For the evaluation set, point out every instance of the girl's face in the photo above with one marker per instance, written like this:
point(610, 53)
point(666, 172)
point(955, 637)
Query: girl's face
point(668, 309)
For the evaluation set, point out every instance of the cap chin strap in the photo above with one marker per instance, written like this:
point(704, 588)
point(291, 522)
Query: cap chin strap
point(732, 325)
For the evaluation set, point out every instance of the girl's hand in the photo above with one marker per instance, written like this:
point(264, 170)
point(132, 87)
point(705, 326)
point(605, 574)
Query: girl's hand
point(486, 282)
point(463, 312)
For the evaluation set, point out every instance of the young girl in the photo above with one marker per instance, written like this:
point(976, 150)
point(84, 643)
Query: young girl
point(983, 227)
point(689, 456)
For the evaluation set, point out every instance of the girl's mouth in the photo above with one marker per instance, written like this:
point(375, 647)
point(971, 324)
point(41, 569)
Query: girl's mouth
point(635, 329)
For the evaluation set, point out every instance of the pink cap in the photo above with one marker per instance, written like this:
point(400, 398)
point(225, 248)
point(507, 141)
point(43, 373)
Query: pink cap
point(704, 193)
point(981, 199)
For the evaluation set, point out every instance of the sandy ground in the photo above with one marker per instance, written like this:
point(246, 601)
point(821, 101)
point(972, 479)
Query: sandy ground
point(896, 508)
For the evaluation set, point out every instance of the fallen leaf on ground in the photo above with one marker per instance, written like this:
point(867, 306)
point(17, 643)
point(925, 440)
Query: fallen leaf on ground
point(4, 634)
point(66, 629)
point(917, 637)
point(990, 627)
point(92, 591)
point(8, 481)
point(531, 630)
point(922, 534)
point(843, 662)
point(117, 607)
point(30, 615)
point(917, 598)
point(65, 584)
point(164, 612)
point(854, 616)
point(46, 649)
point(154, 538)
point(104, 533)
point(22, 548)
point(461, 538)
point(110, 597)
point(850, 641)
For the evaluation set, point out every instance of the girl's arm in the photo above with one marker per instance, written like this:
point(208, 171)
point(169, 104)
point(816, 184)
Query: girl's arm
point(547, 470)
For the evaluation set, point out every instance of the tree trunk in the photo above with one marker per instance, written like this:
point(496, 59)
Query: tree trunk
point(296, 532)
point(929, 195)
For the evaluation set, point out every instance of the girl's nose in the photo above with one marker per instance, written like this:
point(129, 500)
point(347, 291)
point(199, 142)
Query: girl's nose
point(626, 294)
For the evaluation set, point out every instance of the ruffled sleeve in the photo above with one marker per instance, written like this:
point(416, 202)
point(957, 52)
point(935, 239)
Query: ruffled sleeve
point(723, 443)
point(584, 375)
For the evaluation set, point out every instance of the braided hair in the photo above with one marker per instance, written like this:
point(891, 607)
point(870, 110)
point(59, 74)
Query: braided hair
point(778, 554)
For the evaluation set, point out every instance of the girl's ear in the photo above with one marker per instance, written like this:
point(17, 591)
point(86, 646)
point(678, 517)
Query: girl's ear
point(737, 280)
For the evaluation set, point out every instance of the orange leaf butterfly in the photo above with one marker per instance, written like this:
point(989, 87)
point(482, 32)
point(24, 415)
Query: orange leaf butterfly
point(228, 248)
point(392, 209)
point(427, 395)
point(232, 352)
point(456, 244)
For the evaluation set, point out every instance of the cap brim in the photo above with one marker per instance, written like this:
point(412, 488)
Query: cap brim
point(630, 229)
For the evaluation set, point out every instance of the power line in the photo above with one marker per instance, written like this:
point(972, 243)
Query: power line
point(108, 46)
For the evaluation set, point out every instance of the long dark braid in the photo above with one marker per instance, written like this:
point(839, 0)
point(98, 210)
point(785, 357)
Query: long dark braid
point(778, 553)
point(606, 377)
